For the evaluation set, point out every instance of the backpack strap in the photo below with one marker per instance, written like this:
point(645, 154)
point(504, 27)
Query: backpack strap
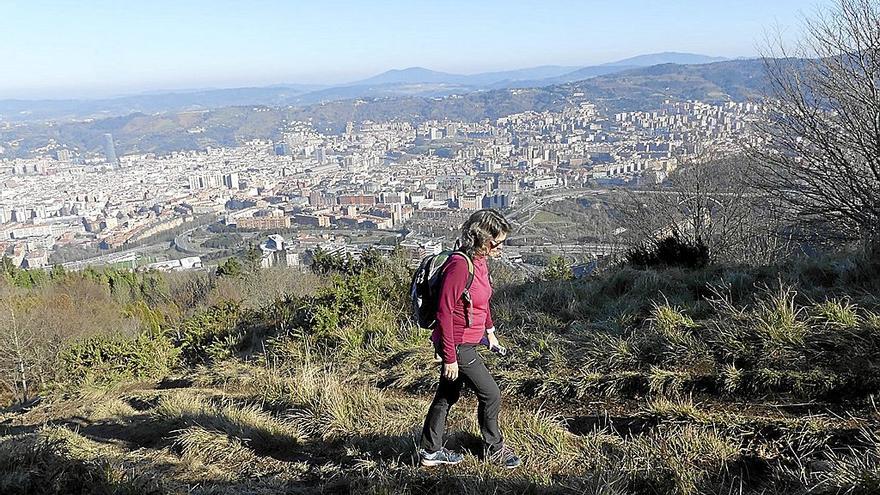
point(466, 295)
point(470, 263)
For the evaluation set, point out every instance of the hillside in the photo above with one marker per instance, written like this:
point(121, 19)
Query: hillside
point(666, 58)
point(62, 110)
point(641, 88)
point(646, 88)
point(163, 133)
point(412, 81)
point(634, 89)
point(718, 380)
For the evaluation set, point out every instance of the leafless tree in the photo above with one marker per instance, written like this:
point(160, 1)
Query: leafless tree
point(820, 147)
point(16, 343)
point(709, 200)
point(36, 324)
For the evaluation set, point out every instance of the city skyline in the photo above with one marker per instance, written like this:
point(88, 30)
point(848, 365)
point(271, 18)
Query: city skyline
point(98, 206)
point(64, 50)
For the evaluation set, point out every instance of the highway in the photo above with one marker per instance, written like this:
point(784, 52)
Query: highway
point(182, 243)
point(595, 249)
point(108, 259)
point(530, 204)
point(131, 254)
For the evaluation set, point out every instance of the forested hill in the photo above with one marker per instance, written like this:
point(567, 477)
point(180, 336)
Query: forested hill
point(645, 88)
point(635, 89)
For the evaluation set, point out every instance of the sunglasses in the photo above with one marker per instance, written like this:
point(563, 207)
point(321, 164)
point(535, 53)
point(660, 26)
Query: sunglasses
point(495, 244)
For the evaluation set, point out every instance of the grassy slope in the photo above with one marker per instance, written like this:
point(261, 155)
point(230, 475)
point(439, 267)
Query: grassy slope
point(722, 380)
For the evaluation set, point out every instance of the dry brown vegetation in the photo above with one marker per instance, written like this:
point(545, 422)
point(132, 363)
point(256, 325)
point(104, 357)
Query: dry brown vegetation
point(717, 380)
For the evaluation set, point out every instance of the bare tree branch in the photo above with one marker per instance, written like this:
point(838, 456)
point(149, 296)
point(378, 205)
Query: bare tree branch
point(709, 200)
point(819, 150)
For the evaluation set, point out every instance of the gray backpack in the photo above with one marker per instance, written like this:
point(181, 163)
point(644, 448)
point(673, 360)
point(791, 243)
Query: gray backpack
point(425, 288)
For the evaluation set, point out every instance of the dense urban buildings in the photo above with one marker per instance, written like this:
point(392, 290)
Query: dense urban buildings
point(373, 176)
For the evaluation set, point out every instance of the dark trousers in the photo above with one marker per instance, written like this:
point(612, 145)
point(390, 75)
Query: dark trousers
point(471, 371)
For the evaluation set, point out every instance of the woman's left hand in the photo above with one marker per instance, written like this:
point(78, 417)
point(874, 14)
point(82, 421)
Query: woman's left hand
point(493, 340)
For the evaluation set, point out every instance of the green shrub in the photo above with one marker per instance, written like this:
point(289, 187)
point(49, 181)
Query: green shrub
point(212, 334)
point(229, 268)
point(363, 310)
point(557, 269)
point(106, 360)
point(670, 251)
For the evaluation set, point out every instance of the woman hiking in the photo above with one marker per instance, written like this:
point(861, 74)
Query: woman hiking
point(462, 323)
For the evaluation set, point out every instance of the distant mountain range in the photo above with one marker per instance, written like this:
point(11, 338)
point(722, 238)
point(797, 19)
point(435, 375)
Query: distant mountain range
point(415, 75)
point(641, 88)
point(413, 81)
point(666, 58)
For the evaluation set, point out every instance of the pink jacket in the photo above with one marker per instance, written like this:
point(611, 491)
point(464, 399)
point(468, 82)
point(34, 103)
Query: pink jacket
point(450, 329)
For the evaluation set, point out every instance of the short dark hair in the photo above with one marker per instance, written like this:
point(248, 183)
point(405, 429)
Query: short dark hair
point(482, 226)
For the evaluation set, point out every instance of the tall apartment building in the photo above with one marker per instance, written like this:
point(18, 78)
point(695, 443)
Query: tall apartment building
point(62, 155)
point(356, 199)
point(263, 223)
point(207, 181)
point(231, 181)
point(509, 185)
point(471, 201)
point(110, 150)
point(499, 201)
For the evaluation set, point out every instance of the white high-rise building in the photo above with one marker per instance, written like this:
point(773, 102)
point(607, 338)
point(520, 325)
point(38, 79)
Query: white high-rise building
point(195, 182)
point(20, 215)
point(213, 181)
point(231, 181)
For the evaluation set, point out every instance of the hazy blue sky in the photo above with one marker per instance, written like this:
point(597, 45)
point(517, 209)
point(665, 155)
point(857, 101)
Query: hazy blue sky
point(96, 47)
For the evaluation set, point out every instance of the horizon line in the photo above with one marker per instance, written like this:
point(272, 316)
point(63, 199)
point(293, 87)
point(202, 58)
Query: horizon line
point(111, 95)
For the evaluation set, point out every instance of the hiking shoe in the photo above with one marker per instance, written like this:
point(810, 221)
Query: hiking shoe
point(505, 457)
point(442, 456)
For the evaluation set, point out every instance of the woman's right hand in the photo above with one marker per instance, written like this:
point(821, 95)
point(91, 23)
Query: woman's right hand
point(450, 371)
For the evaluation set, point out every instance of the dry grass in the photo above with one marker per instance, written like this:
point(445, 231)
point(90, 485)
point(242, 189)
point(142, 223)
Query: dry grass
point(638, 382)
point(229, 458)
point(58, 460)
point(248, 422)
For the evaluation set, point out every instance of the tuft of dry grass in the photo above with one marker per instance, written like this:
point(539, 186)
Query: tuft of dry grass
point(112, 408)
point(837, 314)
point(228, 456)
point(680, 409)
point(781, 323)
point(55, 459)
point(248, 422)
point(678, 459)
point(321, 404)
